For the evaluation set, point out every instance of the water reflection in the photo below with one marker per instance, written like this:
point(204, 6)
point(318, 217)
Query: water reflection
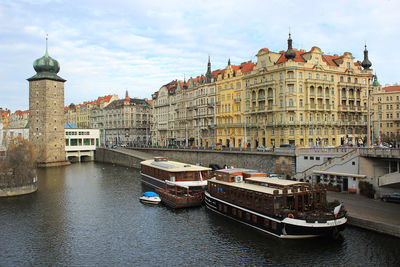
point(89, 214)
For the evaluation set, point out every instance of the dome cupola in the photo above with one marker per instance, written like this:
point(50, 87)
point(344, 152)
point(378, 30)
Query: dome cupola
point(290, 54)
point(46, 67)
point(366, 64)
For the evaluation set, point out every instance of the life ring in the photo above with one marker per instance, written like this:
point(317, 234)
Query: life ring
point(290, 216)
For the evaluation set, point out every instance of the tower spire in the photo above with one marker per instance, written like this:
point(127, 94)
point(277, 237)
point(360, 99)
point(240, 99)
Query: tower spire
point(366, 64)
point(126, 96)
point(290, 54)
point(208, 73)
point(47, 52)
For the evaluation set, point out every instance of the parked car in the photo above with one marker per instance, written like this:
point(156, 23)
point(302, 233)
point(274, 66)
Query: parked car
point(216, 146)
point(287, 145)
point(124, 145)
point(393, 197)
point(273, 175)
point(260, 148)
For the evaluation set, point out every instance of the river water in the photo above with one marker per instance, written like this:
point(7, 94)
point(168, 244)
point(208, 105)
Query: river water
point(89, 214)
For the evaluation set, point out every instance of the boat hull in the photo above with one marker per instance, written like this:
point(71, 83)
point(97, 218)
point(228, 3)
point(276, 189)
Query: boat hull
point(177, 202)
point(151, 200)
point(287, 228)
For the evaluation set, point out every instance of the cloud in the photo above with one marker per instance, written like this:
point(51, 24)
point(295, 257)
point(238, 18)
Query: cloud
point(107, 47)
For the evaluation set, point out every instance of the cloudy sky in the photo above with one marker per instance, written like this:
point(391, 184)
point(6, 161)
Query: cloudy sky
point(106, 47)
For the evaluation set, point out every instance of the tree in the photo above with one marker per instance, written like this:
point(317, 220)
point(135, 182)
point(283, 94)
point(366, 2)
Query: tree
point(18, 167)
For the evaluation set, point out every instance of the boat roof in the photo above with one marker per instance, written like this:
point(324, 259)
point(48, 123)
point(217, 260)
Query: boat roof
point(234, 170)
point(247, 186)
point(276, 181)
point(174, 166)
point(150, 194)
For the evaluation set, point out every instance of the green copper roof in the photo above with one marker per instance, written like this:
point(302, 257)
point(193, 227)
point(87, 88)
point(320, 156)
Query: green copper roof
point(376, 83)
point(46, 68)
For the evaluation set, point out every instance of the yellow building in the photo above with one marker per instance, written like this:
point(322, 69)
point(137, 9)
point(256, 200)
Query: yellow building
point(307, 98)
point(230, 130)
point(386, 117)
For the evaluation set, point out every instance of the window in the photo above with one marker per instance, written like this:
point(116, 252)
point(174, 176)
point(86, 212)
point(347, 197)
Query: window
point(301, 103)
point(305, 157)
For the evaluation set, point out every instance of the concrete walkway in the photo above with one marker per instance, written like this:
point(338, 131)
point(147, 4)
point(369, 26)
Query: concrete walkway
point(371, 214)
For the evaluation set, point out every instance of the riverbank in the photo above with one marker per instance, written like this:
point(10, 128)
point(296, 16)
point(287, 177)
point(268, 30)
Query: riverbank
point(370, 214)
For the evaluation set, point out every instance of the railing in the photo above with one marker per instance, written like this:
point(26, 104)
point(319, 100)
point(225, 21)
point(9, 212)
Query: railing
point(334, 161)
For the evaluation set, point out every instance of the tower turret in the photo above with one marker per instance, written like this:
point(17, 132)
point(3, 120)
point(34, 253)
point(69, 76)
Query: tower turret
point(208, 73)
point(366, 64)
point(290, 54)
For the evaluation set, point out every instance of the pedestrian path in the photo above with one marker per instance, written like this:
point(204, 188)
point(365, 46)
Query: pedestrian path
point(372, 214)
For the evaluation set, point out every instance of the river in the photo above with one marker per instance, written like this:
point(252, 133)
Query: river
point(88, 214)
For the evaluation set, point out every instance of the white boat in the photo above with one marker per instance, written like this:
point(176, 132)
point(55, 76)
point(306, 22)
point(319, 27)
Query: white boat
point(155, 172)
point(150, 198)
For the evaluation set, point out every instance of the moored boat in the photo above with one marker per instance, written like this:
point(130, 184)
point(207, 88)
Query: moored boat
point(176, 196)
point(155, 172)
point(150, 198)
point(283, 208)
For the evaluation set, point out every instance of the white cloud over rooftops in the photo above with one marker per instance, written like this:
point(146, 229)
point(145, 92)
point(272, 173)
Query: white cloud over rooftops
point(107, 47)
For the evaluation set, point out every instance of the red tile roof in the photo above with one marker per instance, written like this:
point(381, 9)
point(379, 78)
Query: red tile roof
point(329, 60)
point(247, 66)
point(393, 88)
point(298, 57)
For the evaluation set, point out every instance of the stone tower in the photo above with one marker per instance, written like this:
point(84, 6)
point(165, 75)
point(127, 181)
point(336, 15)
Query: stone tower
point(46, 112)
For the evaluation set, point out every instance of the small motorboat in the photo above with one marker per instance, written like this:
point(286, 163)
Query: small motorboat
point(150, 198)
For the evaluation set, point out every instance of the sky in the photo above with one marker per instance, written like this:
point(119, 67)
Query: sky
point(107, 47)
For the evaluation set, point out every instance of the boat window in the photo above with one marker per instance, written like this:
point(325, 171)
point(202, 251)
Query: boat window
point(273, 225)
point(254, 217)
point(234, 211)
point(248, 216)
point(225, 177)
point(266, 222)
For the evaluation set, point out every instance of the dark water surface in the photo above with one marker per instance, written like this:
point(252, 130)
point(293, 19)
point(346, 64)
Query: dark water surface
point(89, 215)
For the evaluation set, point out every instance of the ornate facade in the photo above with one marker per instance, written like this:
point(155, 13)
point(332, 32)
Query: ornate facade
point(183, 113)
point(231, 124)
point(386, 113)
point(307, 98)
point(127, 121)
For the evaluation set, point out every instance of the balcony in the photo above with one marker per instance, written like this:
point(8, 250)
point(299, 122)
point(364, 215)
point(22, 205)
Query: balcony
point(261, 97)
point(238, 99)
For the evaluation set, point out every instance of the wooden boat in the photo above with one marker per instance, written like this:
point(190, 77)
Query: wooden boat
point(156, 171)
point(283, 208)
point(177, 196)
point(150, 198)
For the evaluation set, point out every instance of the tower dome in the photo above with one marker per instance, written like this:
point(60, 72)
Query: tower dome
point(46, 67)
point(366, 64)
point(290, 54)
point(46, 63)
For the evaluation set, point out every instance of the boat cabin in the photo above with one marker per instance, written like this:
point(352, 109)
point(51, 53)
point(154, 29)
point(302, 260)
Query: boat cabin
point(163, 169)
point(253, 190)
